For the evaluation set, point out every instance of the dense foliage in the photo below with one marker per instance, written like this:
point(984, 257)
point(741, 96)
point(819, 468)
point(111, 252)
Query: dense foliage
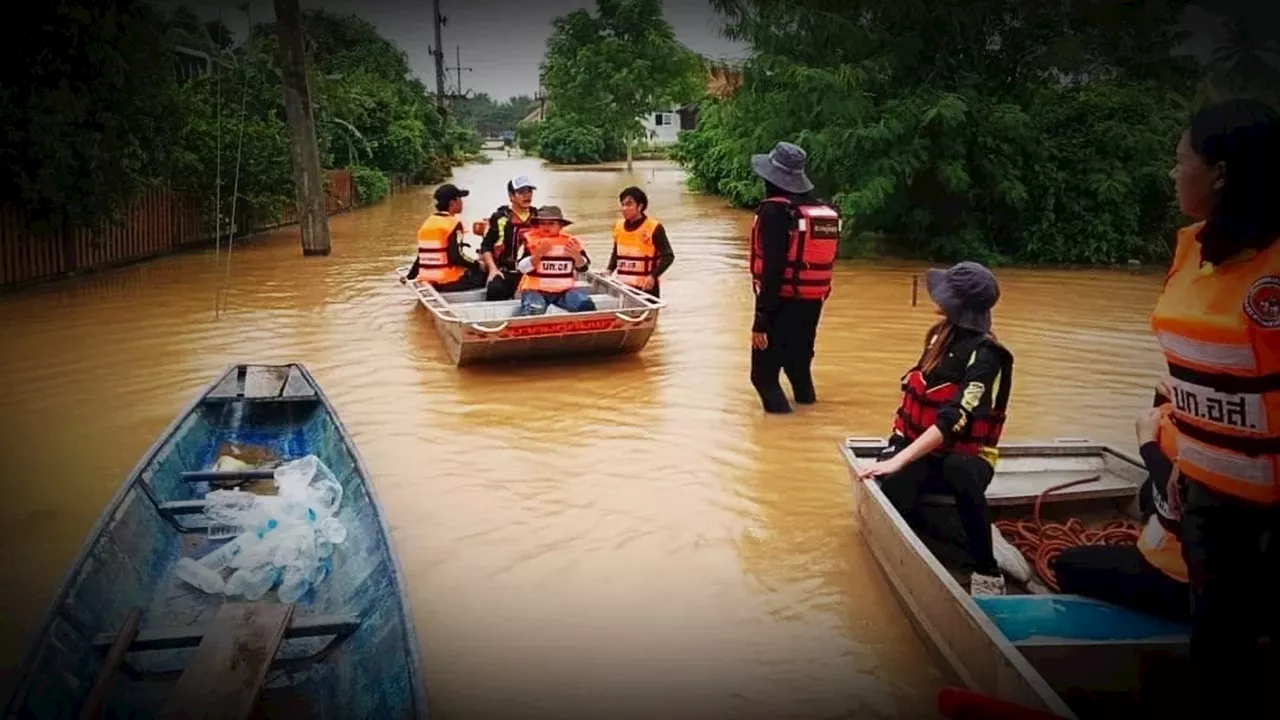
point(96, 112)
point(490, 118)
point(86, 118)
point(603, 72)
point(992, 130)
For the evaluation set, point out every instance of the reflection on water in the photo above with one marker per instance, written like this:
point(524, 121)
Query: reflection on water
point(620, 538)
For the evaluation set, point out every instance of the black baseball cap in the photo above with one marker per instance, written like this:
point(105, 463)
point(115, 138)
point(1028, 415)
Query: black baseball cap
point(449, 192)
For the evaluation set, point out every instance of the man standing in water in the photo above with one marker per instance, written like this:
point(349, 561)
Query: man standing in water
point(794, 238)
point(504, 239)
point(641, 250)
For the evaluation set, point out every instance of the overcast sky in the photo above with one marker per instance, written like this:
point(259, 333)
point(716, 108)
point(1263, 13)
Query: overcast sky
point(503, 41)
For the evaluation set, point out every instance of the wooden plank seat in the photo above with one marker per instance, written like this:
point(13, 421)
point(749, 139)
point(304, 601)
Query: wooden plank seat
point(224, 678)
point(1012, 488)
point(171, 638)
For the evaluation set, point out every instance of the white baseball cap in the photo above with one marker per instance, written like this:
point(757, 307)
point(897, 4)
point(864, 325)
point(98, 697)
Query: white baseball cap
point(522, 181)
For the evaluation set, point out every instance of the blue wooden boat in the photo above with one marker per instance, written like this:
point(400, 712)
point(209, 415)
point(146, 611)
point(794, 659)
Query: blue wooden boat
point(126, 637)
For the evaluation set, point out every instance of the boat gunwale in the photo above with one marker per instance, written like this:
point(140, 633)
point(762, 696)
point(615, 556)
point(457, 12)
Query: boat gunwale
point(920, 618)
point(429, 298)
point(20, 681)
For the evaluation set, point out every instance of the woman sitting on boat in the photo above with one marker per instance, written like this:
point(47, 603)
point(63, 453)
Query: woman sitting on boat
point(551, 268)
point(1151, 576)
point(952, 414)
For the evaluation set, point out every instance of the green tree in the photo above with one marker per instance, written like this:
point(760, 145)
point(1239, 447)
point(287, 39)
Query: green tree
point(993, 130)
point(603, 72)
point(86, 113)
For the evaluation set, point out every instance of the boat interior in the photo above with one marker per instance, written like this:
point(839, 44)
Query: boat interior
point(1101, 658)
point(471, 306)
point(341, 647)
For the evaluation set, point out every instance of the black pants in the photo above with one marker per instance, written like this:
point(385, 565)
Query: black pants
point(965, 477)
point(472, 279)
point(504, 286)
point(792, 332)
point(1232, 551)
point(1119, 574)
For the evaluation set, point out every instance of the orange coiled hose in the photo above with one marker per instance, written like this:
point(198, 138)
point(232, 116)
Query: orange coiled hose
point(1040, 542)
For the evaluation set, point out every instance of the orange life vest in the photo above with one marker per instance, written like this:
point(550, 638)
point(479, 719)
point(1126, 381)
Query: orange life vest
point(921, 403)
point(434, 237)
point(1158, 541)
point(1219, 328)
point(812, 244)
point(637, 256)
point(555, 272)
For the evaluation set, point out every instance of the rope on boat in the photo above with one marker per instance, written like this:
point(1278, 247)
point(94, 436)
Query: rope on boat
point(221, 299)
point(1040, 542)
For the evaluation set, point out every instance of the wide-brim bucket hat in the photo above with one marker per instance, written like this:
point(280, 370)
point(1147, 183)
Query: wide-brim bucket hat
point(552, 212)
point(965, 292)
point(784, 167)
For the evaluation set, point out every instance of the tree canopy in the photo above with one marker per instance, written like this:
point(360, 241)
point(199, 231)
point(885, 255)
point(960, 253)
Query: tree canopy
point(96, 113)
point(995, 130)
point(602, 72)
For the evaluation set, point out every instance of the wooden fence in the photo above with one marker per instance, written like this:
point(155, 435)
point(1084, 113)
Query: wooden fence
point(159, 222)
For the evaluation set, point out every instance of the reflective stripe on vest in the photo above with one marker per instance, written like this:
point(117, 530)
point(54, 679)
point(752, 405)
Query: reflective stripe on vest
point(555, 272)
point(434, 238)
point(1220, 333)
point(921, 403)
point(812, 244)
point(637, 256)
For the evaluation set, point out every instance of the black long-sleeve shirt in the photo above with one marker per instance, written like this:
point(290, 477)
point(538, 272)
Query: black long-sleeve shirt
point(511, 250)
point(661, 244)
point(454, 252)
point(979, 383)
point(773, 223)
point(1153, 493)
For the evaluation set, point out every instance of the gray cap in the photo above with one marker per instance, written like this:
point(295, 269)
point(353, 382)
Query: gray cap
point(965, 292)
point(784, 167)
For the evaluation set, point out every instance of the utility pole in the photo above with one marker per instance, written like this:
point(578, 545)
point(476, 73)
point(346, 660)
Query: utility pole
point(307, 179)
point(458, 68)
point(438, 52)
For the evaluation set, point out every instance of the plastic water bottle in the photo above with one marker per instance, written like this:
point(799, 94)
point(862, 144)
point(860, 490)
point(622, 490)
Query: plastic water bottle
point(254, 582)
point(192, 572)
point(294, 584)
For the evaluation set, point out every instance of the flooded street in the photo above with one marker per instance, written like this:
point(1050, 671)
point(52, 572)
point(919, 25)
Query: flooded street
point(628, 537)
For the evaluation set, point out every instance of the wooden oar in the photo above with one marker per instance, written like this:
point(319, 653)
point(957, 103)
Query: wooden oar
point(93, 705)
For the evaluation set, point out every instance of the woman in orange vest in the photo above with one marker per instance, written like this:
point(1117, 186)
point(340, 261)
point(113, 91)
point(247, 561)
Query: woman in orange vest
point(641, 250)
point(1151, 576)
point(1218, 323)
point(948, 426)
point(551, 268)
point(439, 260)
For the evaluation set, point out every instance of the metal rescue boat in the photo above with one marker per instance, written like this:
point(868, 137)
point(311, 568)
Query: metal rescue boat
point(1029, 647)
point(475, 330)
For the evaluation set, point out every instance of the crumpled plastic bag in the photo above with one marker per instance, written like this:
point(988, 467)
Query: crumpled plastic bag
point(282, 540)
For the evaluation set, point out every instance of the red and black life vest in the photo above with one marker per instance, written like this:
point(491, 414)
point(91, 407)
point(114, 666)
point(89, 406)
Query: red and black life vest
point(812, 244)
point(921, 403)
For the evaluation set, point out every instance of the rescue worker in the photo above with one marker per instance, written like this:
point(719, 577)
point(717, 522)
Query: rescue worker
point(440, 260)
point(1218, 324)
point(550, 270)
point(794, 239)
point(503, 242)
point(947, 429)
point(641, 250)
point(1151, 576)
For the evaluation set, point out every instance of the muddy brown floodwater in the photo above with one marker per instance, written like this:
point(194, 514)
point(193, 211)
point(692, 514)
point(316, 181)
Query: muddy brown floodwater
point(628, 538)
